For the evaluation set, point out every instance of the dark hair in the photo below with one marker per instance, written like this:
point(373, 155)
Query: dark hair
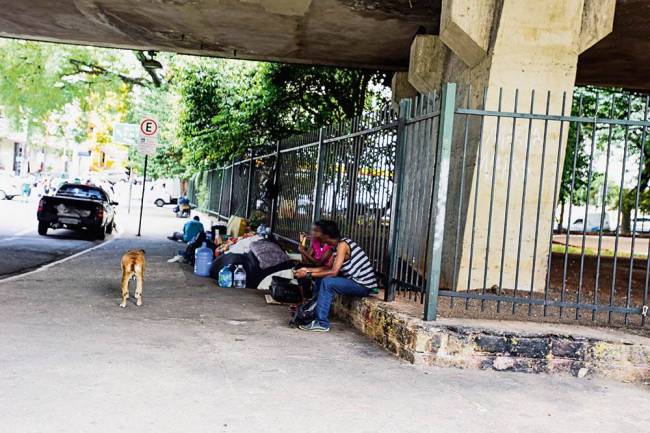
point(196, 218)
point(329, 228)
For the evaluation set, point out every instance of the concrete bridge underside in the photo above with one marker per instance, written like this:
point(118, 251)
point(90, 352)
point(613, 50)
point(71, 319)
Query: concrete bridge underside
point(355, 33)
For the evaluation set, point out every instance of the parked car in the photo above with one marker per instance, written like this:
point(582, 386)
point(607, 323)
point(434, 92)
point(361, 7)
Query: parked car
point(10, 185)
point(77, 207)
point(164, 191)
point(641, 225)
point(592, 225)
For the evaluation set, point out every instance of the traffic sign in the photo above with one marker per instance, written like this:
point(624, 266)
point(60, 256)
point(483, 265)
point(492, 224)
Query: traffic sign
point(148, 136)
point(149, 127)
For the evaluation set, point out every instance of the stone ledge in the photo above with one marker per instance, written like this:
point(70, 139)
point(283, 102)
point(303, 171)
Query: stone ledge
point(502, 346)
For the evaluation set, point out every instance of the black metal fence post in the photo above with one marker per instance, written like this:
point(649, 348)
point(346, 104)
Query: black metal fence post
point(440, 186)
point(404, 110)
point(220, 202)
point(352, 168)
point(318, 187)
point(232, 185)
point(249, 187)
point(210, 179)
point(276, 189)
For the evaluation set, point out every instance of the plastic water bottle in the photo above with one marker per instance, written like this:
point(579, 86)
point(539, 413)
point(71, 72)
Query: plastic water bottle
point(225, 277)
point(202, 261)
point(240, 277)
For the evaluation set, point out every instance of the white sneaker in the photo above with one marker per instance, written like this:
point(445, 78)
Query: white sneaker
point(175, 259)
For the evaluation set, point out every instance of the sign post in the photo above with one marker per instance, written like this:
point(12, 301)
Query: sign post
point(146, 146)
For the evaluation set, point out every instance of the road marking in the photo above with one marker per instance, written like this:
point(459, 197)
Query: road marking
point(16, 236)
point(58, 262)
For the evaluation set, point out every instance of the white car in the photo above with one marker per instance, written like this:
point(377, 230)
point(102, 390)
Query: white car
point(9, 185)
point(593, 223)
point(641, 225)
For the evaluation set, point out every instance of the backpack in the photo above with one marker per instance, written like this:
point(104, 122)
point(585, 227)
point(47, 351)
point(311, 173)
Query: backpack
point(304, 314)
point(283, 290)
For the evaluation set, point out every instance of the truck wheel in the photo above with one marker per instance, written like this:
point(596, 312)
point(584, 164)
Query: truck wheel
point(42, 228)
point(159, 202)
point(3, 195)
point(100, 234)
point(109, 228)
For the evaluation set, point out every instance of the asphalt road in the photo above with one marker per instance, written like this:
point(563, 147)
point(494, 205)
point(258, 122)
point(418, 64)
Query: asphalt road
point(22, 249)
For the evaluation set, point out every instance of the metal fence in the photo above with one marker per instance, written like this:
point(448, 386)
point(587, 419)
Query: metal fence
point(473, 202)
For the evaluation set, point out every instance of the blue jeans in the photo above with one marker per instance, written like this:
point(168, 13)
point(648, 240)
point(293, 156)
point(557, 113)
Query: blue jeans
point(326, 288)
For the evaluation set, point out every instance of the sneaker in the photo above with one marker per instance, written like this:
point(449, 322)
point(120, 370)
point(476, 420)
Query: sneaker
point(314, 326)
point(175, 259)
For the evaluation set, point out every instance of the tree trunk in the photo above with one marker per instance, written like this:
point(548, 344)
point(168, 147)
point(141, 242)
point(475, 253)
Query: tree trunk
point(627, 220)
point(559, 225)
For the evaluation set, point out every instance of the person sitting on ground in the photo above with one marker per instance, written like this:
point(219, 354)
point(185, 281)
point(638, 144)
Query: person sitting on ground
point(318, 253)
point(190, 229)
point(351, 274)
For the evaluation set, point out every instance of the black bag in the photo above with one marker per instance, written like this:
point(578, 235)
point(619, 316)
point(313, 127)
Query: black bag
point(195, 243)
point(283, 290)
point(304, 314)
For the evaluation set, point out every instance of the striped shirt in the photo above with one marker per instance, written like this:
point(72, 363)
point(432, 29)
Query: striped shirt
point(358, 268)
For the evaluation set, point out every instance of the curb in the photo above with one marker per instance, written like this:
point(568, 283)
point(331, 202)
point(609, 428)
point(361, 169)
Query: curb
point(510, 349)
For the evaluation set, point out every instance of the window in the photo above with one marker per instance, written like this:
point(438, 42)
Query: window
point(81, 191)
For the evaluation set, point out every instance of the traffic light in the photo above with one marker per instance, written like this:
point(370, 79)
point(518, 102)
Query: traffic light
point(128, 172)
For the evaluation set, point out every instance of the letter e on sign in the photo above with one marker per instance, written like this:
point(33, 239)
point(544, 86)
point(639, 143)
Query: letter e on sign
point(149, 127)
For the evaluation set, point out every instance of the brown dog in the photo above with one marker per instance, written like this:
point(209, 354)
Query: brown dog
point(132, 266)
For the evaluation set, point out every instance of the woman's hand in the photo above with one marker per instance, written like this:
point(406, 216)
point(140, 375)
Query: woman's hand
point(300, 273)
point(302, 249)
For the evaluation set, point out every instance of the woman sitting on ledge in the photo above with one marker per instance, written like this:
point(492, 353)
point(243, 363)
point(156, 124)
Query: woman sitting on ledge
point(351, 274)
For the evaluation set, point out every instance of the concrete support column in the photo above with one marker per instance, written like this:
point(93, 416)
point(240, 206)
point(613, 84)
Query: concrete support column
point(401, 89)
point(509, 44)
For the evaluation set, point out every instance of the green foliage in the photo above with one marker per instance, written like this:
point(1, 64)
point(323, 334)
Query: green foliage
point(42, 83)
point(587, 141)
point(229, 107)
point(218, 116)
point(31, 85)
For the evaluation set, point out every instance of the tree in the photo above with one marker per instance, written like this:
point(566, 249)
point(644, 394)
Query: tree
point(300, 98)
point(39, 80)
point(609, 140)
point(231, 106)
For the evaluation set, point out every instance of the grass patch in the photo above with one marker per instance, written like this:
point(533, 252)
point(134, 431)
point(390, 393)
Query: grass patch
point(561, 248)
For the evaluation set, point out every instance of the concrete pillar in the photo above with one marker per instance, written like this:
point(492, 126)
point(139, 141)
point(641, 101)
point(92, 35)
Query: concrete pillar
point(428, 56)
point(509, 44)
point(401, 89)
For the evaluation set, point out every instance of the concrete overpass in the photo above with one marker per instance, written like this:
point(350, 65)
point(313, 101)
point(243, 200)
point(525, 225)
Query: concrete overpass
point(357, 33)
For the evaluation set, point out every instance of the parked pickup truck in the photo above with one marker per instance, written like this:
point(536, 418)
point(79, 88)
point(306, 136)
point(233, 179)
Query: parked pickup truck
point(77, 207)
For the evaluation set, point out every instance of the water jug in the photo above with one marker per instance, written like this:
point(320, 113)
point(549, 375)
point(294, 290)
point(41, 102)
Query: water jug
point(225, 277)
point(240, 277)
point(202, 261)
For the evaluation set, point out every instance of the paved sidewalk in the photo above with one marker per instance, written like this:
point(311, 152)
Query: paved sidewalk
point(196, 358)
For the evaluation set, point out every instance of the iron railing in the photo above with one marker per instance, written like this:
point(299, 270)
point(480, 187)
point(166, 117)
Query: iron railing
point(473, 202)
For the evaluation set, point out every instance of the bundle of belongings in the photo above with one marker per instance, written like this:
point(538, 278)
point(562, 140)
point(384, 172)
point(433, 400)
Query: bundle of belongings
point(259, 258)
